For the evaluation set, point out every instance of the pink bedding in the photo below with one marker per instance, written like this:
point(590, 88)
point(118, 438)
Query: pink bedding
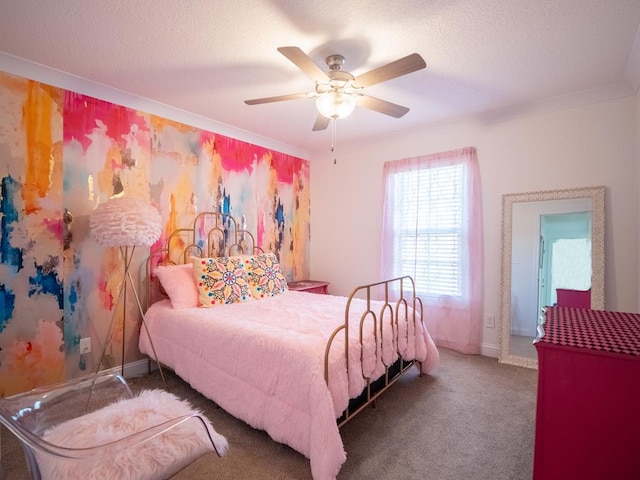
point(263, 362)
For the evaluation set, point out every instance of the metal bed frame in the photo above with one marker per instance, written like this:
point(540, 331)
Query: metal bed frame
point(217, 234)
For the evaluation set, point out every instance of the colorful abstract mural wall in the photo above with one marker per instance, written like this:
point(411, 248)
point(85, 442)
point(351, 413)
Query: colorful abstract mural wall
point(61, 155)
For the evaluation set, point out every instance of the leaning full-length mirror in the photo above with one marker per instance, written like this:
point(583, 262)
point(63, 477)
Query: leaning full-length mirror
point(552, 246)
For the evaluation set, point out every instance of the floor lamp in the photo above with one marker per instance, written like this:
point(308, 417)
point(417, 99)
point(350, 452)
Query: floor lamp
point(126, 223)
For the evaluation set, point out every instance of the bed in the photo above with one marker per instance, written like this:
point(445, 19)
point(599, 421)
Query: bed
point(272, 357)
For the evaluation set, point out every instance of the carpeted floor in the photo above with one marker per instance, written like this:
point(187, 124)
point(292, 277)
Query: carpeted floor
point(473, 419)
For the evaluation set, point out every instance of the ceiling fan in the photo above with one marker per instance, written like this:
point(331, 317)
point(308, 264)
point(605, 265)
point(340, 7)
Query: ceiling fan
point(337, 92)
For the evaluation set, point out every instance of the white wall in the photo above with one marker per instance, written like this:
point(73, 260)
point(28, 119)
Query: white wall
point(637, 155)
point(577, 147)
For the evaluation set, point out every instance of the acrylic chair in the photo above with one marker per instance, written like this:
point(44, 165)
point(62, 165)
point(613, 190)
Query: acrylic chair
point(95, 427)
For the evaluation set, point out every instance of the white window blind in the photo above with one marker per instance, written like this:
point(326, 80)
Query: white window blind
point(428, 235)
point(432, 232)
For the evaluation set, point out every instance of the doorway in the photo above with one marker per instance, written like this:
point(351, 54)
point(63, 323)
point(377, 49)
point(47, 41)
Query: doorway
point(565, 255)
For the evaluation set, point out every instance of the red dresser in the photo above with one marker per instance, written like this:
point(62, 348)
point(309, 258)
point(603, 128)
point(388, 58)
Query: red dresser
point(588, 409)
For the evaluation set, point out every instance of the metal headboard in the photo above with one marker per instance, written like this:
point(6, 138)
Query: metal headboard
point(213, 234)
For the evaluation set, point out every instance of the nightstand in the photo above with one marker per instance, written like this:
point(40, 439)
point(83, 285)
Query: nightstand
point(310, 286)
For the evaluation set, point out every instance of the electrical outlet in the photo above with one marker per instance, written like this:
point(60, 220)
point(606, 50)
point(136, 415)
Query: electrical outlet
point(490, 321)
point(85, 345)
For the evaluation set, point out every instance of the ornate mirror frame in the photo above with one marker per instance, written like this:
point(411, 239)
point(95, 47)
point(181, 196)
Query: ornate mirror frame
point(596, 194)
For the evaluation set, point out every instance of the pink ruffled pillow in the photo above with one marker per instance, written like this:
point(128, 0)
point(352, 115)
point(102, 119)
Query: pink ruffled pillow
point(179, 284)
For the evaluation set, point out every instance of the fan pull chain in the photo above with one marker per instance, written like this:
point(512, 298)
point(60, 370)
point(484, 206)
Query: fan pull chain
point(333, 137)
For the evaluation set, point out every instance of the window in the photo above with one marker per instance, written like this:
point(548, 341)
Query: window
point(432, 231)
point(428, 236)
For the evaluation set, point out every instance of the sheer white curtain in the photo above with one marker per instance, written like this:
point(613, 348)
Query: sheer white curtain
point(432, 230)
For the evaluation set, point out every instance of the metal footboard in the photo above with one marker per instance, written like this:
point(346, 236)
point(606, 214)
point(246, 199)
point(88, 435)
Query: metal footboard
point(387, 302)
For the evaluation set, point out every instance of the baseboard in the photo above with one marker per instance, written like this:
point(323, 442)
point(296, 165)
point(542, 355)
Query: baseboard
point(135, 369)
point(490, 350)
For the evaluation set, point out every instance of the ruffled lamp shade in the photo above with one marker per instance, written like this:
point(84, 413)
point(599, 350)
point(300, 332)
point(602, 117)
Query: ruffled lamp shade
point(125, 222)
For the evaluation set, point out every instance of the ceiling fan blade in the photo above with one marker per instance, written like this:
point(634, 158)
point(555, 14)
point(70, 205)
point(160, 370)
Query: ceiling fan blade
point(382, 106)
point(304, 63)
point(279, 98)
point(408, 64)
point(322, 123)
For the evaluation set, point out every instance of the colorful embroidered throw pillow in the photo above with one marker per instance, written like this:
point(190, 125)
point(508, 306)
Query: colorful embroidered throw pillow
point(220, 280)
point(264, 276)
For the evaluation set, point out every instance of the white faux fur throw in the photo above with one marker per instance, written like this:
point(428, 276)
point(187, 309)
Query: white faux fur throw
point(263, 362)
point(156, 458)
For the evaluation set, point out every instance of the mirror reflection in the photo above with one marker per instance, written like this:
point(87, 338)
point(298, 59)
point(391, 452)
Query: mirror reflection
point(553, 254)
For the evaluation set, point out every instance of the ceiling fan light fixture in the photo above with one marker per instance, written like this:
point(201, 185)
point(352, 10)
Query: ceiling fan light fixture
point(336, 104)
point(337, 91)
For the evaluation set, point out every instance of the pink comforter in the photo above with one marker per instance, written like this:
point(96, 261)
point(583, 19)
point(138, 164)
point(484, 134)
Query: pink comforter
point(263, 362)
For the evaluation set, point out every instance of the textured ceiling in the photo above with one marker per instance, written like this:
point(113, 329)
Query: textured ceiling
point(485, 58)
